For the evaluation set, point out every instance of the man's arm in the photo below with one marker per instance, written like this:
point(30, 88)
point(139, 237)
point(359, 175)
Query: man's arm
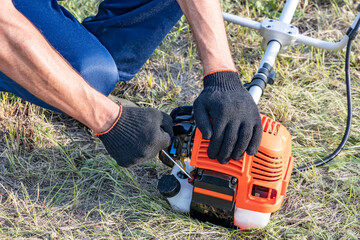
point(28, 59)
point(130, 134)
point(207, 25)
point(236, 124)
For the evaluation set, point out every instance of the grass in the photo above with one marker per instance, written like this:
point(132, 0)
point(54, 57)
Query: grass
point(57, 182)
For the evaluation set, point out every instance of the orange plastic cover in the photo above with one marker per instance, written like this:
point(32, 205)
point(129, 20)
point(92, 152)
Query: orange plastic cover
point(263, 178)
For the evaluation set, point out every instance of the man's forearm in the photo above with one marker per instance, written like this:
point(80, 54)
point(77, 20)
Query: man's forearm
point(28, 59)
point(207, 25)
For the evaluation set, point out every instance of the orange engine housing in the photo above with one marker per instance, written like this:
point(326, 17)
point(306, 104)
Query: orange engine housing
point(263, 178)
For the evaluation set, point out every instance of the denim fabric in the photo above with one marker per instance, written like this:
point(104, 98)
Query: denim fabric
point(109, 47)
point(131, 30)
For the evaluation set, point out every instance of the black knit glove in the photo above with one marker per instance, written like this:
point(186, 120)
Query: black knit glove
point(138, 135)
point(236, 124)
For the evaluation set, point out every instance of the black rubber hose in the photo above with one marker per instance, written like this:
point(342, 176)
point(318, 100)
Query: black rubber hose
point(327, 159)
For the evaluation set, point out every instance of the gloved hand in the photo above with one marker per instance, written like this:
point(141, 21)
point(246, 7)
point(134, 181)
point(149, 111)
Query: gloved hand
point(236, 124)
point(137, 135)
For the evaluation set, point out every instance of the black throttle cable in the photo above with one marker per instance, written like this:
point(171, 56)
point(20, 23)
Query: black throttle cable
point(352, 32)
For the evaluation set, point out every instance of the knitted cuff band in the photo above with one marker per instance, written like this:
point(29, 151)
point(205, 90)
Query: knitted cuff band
point(112, 126)
point(223, 80)
point(219, 70)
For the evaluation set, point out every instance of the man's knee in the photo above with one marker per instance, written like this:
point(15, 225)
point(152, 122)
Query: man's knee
point(100, 71)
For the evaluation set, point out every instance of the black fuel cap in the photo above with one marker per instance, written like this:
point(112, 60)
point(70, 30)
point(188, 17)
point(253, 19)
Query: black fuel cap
point(168, 186)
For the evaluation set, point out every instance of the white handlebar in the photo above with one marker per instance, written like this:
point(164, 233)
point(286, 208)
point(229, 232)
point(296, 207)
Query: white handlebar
point(279, 34)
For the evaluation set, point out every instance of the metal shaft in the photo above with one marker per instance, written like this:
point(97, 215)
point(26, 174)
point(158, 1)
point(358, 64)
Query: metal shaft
point(288, 11)
point(274, 47)
point(183, 170)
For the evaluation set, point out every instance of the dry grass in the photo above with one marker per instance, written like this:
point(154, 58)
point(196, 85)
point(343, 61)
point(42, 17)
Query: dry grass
point(56, 181)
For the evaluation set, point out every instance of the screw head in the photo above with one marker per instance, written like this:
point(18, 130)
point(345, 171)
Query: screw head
point(234, 180)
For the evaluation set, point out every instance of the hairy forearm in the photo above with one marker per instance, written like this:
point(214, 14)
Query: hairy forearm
point(207, 25)
point(28, 59)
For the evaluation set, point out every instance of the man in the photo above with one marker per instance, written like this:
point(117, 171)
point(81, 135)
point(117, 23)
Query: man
point(47, 57)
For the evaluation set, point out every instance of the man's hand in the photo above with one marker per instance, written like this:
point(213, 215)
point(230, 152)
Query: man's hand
point(137, 135)
point(236, 124)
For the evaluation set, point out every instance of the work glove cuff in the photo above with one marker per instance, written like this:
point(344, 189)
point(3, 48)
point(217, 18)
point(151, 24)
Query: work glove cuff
point(222, 81)
point(123, 127)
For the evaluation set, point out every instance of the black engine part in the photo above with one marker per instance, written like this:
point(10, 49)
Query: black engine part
point(184, 130)
point(213, 197)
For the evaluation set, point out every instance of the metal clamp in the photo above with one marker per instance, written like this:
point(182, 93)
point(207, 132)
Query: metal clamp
point(273, 30)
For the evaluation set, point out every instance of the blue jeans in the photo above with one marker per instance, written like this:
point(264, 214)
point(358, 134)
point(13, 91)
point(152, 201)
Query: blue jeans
point(109, 47)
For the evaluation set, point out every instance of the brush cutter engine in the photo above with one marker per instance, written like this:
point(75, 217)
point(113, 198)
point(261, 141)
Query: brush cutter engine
point(241, 193)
